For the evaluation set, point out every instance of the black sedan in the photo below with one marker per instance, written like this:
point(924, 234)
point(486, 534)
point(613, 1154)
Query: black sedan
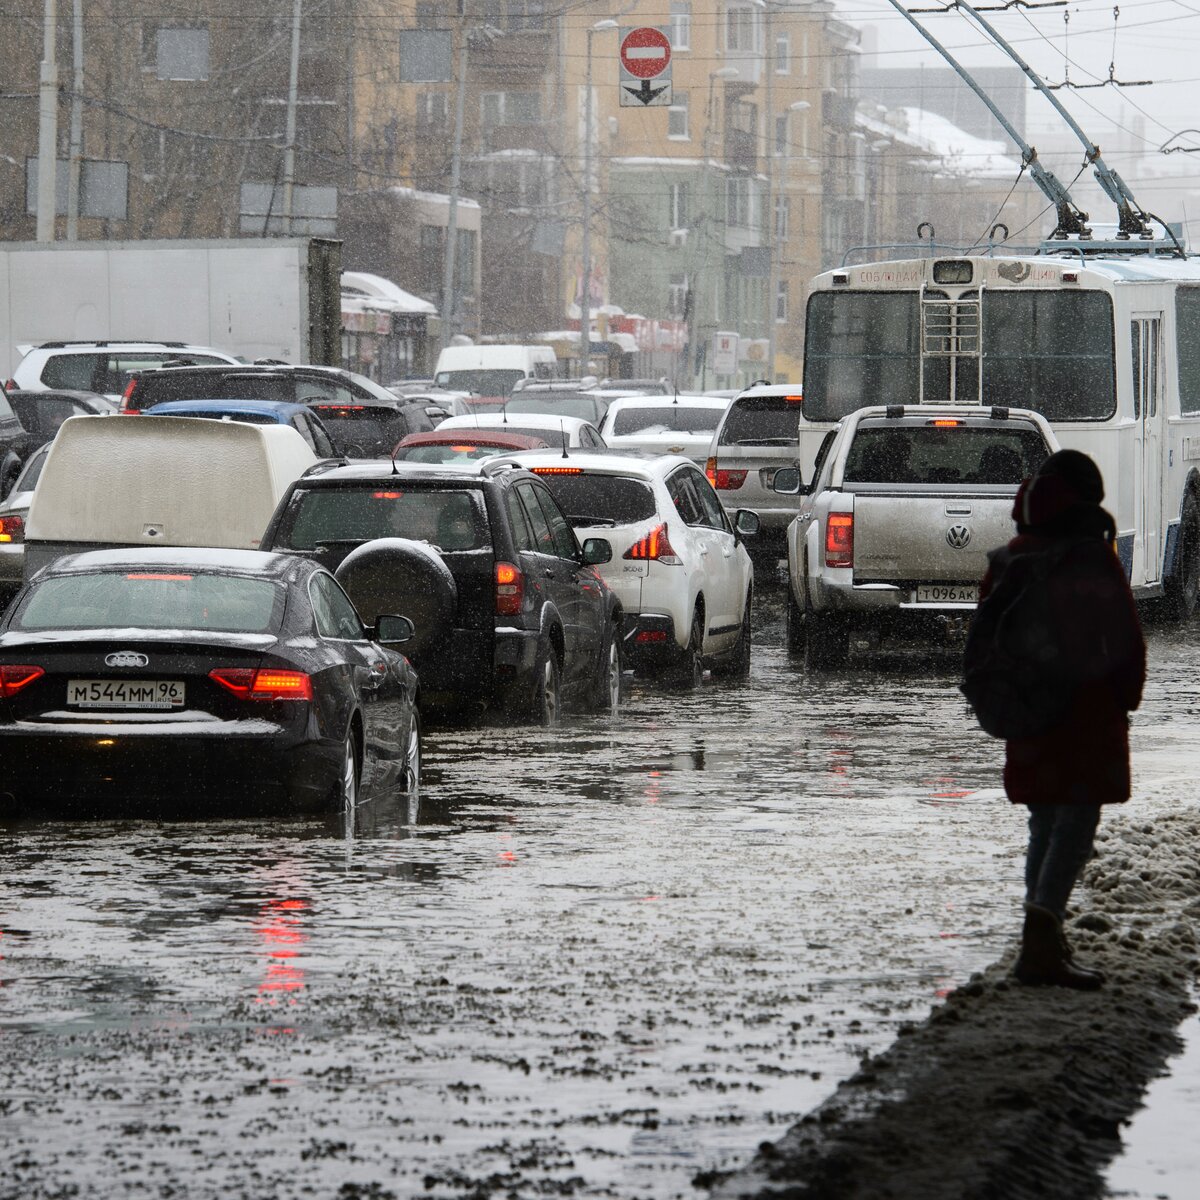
point(155, 677)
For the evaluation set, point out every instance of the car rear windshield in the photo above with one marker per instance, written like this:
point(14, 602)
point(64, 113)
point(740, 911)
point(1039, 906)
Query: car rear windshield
point(489, 382)
point(449, 519)
point(762, 421)
point(362, 432)
point(447, 454)
point(937, 454)
point(108, 371)
point(154, 599)
point(602, 499)
point(559, 404)
point(669, 418)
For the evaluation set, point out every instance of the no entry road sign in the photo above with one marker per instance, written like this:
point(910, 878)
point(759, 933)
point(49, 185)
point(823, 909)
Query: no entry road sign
point(645, 52)
point(645, 55)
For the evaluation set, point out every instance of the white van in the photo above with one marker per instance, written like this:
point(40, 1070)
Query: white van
point(168, 481)
point(492, 370)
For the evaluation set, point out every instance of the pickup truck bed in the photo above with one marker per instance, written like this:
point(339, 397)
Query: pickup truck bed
point(893, 535)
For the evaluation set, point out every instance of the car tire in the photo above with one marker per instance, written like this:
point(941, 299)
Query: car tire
point(795, 624)
point(345, 790)
point(410, 776)
point(737, 665)
point(545, 708)
point(606, 689)
point(1183, 587)
point(688, 672)
point(826, 642)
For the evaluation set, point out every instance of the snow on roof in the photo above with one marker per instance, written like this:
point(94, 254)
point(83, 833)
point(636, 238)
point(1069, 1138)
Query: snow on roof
point(960, 153)
point(435, 197)
point(378, 293)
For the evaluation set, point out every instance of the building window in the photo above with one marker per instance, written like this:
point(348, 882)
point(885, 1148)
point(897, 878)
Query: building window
point(513, 16)
point(741, 29)
point(783, 54)
point(677, 288)
point(429, 15)
point(433, 111)
point(737, 201)
point(677, 116)
point(678, 199)
point(175, 54)
point(782, 139)
point(681, 25)
point(781, 301)
point(783, 218)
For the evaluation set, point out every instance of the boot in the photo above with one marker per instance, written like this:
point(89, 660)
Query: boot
point(1069, 957)
point(1045, 957)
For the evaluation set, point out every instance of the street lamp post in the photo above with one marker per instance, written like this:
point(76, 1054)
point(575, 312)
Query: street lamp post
point(585, 299)
point(773, 234)
point(704, 221)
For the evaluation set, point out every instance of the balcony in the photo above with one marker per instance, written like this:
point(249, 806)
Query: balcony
point(741, 150)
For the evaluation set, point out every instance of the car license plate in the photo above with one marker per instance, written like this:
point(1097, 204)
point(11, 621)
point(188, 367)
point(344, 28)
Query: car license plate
point(125, 693)
point(947, 593)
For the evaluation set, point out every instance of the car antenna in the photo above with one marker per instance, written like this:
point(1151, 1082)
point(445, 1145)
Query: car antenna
point(563, 424)
point(395, 469)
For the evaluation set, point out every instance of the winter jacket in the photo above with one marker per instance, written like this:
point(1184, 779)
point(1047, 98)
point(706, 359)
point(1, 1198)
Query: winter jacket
point(1085, 759)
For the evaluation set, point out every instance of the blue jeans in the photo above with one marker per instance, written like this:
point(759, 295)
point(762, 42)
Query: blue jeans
point(1060, 843)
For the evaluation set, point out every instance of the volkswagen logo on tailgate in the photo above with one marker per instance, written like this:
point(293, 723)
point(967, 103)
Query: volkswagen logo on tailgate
point(126, 658)
point(958, 536)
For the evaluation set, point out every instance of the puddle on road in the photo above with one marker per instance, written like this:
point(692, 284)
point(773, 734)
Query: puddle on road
point(600, 959)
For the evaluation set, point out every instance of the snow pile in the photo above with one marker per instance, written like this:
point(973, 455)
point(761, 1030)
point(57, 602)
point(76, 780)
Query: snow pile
point(1012, 1091)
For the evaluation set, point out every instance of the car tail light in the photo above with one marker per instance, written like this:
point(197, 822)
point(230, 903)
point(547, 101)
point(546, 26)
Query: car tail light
point(127, 396)
point(723, 481)
point(12, 529)
point(654, 547)
point(250, 684)
point(340, 408)
point(839, 540)
point(510, 589)
point(557, 470)
point(13, 678)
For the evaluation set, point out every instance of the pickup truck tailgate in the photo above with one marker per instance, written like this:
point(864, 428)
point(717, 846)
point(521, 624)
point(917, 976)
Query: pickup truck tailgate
point(900, 537)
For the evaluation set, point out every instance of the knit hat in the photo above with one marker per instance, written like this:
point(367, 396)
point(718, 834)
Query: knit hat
point(1066, 480)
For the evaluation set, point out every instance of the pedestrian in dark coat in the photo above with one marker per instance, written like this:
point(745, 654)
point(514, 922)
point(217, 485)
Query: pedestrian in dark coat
point(1066, 774)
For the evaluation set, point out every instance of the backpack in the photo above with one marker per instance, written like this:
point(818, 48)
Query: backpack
point(1016, 676)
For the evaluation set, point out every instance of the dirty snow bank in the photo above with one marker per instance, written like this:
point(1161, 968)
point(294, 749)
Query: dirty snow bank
point(1011, 1091)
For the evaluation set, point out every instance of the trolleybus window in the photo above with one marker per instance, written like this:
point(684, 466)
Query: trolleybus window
point(863, 348)
point(1051, 351)
point(1047, 350)
point(1187, 341)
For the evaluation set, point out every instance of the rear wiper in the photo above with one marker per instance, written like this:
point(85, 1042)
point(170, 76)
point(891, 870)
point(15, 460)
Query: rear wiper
point(771, 441)
point(326, 543)
point(585, 519)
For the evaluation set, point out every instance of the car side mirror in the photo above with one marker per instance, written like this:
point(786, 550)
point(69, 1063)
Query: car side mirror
point(745, 523)
point(391, 630)
point(596, 551)
point(788, 482)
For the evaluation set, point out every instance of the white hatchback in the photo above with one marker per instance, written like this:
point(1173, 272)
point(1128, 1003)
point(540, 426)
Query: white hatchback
point(679, 565)
point(680, 424)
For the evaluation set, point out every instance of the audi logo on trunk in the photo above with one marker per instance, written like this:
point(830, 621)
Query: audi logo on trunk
point(958, 536)
point(127, 658)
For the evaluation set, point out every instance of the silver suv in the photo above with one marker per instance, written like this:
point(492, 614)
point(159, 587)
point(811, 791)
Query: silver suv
point(104, 367)
point(757, 435)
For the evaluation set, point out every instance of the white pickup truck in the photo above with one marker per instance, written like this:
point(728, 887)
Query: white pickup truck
point(894, 529)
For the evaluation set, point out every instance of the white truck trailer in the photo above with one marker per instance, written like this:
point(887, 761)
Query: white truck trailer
point(270, 298)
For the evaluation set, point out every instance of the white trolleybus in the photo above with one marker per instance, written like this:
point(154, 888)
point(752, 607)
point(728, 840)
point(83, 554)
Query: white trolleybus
point(1104, 342)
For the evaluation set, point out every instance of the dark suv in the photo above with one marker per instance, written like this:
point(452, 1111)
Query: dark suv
point(15, 444)
point(363, 419)
point(510, 612)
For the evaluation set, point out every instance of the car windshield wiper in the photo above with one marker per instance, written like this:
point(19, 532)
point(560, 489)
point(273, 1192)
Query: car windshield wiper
point(587, 519)
point(770, 441)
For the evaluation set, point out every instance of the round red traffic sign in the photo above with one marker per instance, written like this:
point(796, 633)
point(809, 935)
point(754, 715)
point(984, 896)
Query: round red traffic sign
point(645, 52)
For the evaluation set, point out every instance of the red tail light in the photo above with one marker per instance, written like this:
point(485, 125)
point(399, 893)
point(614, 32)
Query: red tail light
point(11, 385)
point(12, 529)
point(510, 589)
point(723, 481)
point(654, 547)
point(839, 540)
point(127, 396)
point(14, 678)
point(264, 685)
